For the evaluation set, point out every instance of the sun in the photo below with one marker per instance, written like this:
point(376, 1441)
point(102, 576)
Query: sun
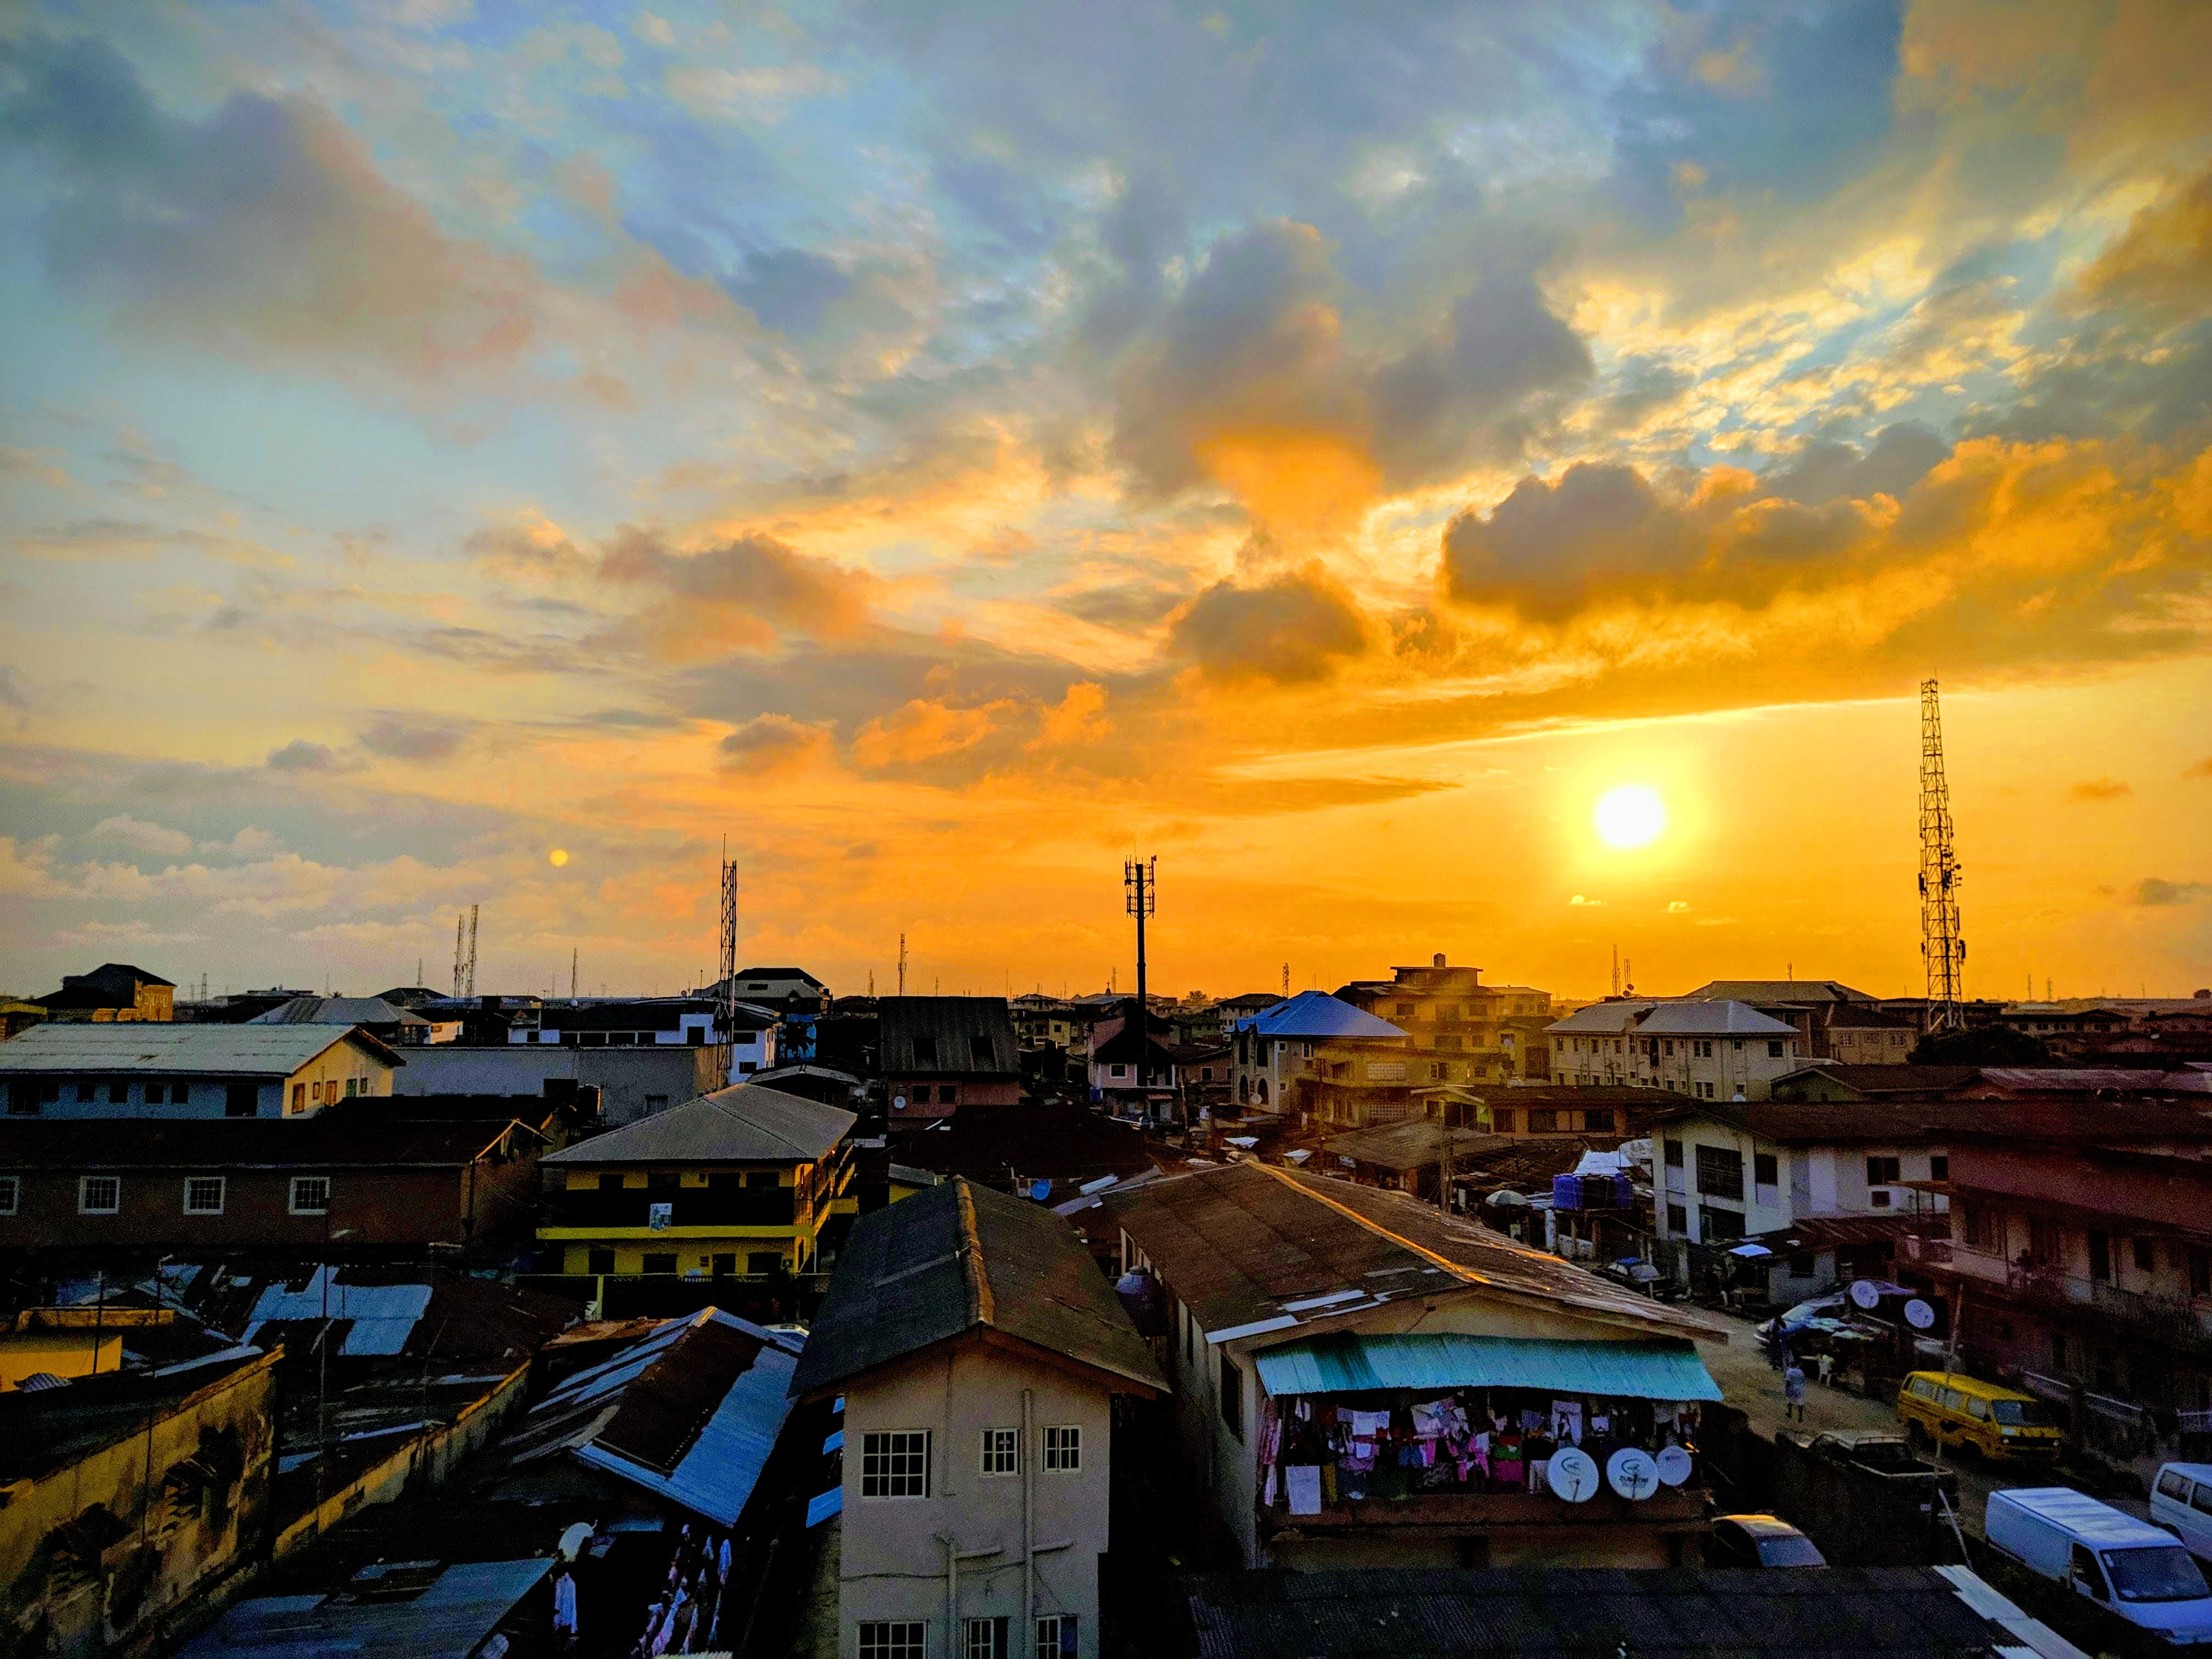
point(1630, 816)
point(557, 857)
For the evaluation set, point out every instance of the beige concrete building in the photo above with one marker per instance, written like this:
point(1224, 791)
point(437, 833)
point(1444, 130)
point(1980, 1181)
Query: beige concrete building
point(1459, 1030)
point(978, 1349)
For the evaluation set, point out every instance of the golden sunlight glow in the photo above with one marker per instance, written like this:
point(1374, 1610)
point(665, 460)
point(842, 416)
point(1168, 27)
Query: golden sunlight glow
point(557, 857)
point(1630, 816)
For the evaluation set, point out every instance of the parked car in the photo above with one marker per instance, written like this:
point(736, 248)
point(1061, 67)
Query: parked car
point(1642, 1277)
point(2181, 1501)
point(1886, 1453)
point(1759, 1541)
point(2129, 1567)
point(1952, 1409)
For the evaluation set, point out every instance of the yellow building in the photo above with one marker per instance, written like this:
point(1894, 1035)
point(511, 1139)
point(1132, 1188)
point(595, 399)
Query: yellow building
point(740, 1183)
point(1461, 1032)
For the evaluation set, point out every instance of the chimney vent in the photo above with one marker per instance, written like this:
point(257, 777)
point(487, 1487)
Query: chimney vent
point(1437, 961)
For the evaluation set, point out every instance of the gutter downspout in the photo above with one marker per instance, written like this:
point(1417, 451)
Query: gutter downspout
point(1025, 1639)
point(951, 1587)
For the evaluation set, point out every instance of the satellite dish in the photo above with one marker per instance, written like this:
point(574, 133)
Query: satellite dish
point(1632, 1473)
point(1673, 1466)
point(1041, 1191)
point(1864, 1294)
point(1919, 1315)
point(1572, 1474)
point(898, 1103)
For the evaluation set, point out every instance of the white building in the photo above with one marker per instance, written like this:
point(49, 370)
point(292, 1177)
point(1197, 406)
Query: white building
point(978, 1349)
point(152, 1070)
point(1706, 1050)
point(1590, 1046)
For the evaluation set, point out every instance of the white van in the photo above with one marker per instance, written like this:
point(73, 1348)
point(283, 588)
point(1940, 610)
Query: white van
point(2128, 1566)
point(2181, 1501)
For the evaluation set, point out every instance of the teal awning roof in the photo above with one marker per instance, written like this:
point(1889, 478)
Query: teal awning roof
point(1344, 1364)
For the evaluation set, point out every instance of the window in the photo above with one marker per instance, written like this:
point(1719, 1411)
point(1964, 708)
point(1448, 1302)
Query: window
point(1677, 1220)
point(1973, 1226)
point(983, 1639)
point(1232, 1396)
point(763, 1262)
point(85, 1092)
point(1002, 1451)
point(1673, 1154)
point(1720, 1172)
point(724, 1264)
point(352, 1088)
point(154, 1094)
point(1502, 1120)
point(1878, 1199)
point(2146, 1259)
point(203, 1195)
point(599, 1261)
point(659, 1262)
point(1598, 1120)
point(1702, 1050)
point(1774, 1051)
point(925, 1050)
point(1704, 1091)
point(1939, 1166)
point(946, 1094)
point(1063, 1449)
point(311, 1194)
point(980, 1054)
point(22, 1098)
point(1720, 1223)
point(895, 1464)
point(2174, 1484)
point(894, 1639)
point(2100, 1255)
point(299, 1097)
point(1055, 1636)
point(99, 1194)
point(1542, 1120)
point(1764, 1170)
point(1117, 1071)
point(11, 1193)
point(2200, 1270)
point(240, 1100)
point(1801, 1265)
point(1881, 1172)
point(1668, 1045)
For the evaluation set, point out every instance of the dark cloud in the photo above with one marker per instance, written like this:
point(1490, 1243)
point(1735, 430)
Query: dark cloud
point(743, 593)
point(1546, 546)
point(12, 694)
point(2162, 263)
point(301, 756)
point(1293, 629)
point(788, 288)
point(1124, 605)
point(768, 743)
point(397, 739)
point(1900, 456)
point(2100, 789)
point(2153, 891)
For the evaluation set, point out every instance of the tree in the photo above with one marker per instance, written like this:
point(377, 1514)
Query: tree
point(1981, 1045)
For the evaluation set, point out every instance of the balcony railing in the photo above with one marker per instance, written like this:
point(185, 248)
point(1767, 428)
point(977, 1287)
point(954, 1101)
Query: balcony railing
point(688, 1206)
point(2163, 1318)
point(1511, 1508)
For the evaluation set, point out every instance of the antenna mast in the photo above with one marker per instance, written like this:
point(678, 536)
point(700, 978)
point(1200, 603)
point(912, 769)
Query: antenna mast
point(728, 998)
point(1140, 900)
point(469, 988)
point(572, 973)
point(460, 933)
point(902, 964)
point(1942, 950)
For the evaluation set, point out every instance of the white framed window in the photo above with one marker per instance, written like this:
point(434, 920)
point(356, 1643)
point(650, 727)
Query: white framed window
point(1002, 1451)
point(1055, 1636)
point(1063, 1449)
point(895, 1464)
point(311, 1195)
point(11, 1193)
point(984, 1639)
point(203, 1195)
point(894, 1639)
point(99, 1194)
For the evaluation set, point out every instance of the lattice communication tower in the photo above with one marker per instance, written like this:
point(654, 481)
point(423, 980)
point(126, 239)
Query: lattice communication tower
point(1942, 950)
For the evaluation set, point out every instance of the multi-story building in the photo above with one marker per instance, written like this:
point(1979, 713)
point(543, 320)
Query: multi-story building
point(667, 1022)
point(112, 993)
point(1317, 1058)
point(172, 1071)
point(743, 1182)
point(942, 1052)
point(785, 989)
point(1328, 1342)
point(1132, 1070)
point(632, 1083)
point(1461, 1030)
point(979, 1351)
point(2079, 1261)
point(1591, 1045)
point(1706, 1050)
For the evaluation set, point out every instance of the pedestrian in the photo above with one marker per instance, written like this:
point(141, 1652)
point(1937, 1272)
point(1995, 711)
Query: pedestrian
point(1827, 1362)
point(1793, 1392)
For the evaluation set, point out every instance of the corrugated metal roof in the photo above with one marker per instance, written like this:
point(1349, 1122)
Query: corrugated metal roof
point(956, 1257)
point(382, 1315)
point(1408, 1145)
point(1347, 1362)
point(1315, 1014)
point(134, 1046)
point(746, 1124)
point(338, 1011)
point(1709, 1019)
point(1775, 990)
point(446, 1621)
point(820, 1509)
point(1601, 1018)
point(948, 1036)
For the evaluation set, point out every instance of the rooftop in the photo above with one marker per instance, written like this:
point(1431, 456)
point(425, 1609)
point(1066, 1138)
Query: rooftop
point(1316, 1014)
point(336, 1142)
point(1251, 1248)
point(959, 1258)
point(339, 1010)
point(448, 1618)
point(950, 1037)
point(1710, 1019)
point(747, 1123)
point(42, 1430)
point(1607, 1019)
point(248, 1050)
point(1930, 1080)
point(1411, 1144)
point(1776, 990)
point(2076, 1123)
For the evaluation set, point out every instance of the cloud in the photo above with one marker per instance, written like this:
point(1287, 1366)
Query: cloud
point(2100, 789)
point(2201, 769)
point(301, 756)
point(1677, 908)
point(1294, 628)
point(743, 593)
point(2162, 263)
point(398, 740)
point(1901, 455)
point(770, 744)
point(926, 730)
point(249, 842)
point(145, 836)
point(1579, 901)
point(2153, 891)
point(1078, 718)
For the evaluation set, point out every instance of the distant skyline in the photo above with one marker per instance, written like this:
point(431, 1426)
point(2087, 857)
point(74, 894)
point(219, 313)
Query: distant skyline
point(455, 452)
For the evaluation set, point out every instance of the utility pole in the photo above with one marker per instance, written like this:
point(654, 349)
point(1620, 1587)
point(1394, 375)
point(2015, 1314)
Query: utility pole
point(1942, 951)
point(902, 965)
point(572, 973)
point(1286, 979)
point(1140, 900)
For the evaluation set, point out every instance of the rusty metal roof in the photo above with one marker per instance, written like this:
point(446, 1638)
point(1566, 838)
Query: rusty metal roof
point(948, 1036)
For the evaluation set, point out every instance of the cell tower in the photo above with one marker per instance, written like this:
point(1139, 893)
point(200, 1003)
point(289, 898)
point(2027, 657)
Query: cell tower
point(572, 973)
point(1140, 900)
point(460, 940)
point(469, 985)
point(902, 964)
point(1942, 950)
point(728, 997)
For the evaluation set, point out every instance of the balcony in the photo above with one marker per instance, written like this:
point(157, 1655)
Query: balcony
point(2158, 1318)
point(1671, 1506)
point(690, 1206)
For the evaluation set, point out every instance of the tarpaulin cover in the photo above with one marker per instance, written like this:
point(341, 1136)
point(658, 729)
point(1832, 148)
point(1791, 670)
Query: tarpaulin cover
point(1662, 1369)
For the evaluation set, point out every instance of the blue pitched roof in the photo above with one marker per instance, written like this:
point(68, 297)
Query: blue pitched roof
point(1666, 1370)
point(1317, 1014)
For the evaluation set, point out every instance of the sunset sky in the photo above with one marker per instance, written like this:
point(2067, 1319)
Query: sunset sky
point(945, 448)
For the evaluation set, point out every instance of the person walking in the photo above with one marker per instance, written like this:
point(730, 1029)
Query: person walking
point(1827, 1362)
point(1793, 1392)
